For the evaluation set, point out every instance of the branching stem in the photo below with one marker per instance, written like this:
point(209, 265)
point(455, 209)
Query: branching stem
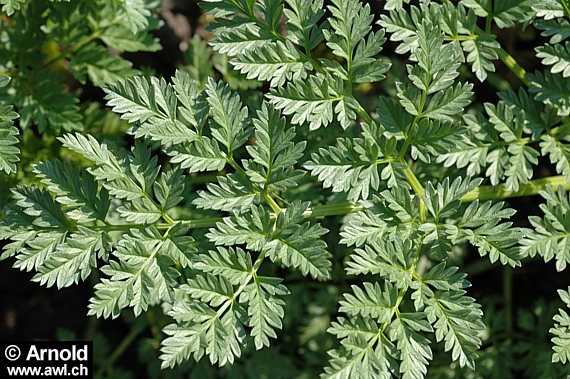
point(512, 64)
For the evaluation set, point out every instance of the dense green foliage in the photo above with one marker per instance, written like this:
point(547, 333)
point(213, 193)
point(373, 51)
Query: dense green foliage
point(418, 174)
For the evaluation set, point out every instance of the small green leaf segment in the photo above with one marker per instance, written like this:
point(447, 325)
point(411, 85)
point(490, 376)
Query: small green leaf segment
point(129, 217)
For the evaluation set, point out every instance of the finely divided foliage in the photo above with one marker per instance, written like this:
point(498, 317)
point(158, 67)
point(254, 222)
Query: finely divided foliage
point(121, 215)
point(8, 135)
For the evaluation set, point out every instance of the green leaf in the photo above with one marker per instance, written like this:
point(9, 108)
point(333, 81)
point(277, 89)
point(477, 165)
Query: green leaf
point(371, 302)
point(100, 66)
point(299, 245)
point(38, 249)
point(434, 138)
point(394, 213)
point(558, 30)
point(505, 13)
point(350, 23)
point(136, 14)
point(274, 152)
point(140, 276)
point(10, 6)
point(140, 211)
point(232, 264)
point(414, 349)
point(310, 101)
point(76, 190)
point(403, 27)
point(548, 9)
point(72, 261)
point(302, 22)
point(552, 89)
point(551, 235)
point(277, 63)
point(198, 57)
point(558, 151)
point(9, 153)
point(229, 194)
point(151, 105)
point(390, 259)
point(522, 158)
point(448, 104)
point(481, 226)
point(287, 239)
point(125, 176)
point(121, 38)
point(253, 229)
point(169, 188)
point(204, 154)
point(237, 41)
point(38, 204)
point(50, 106)
point(456, 319)
point(481, 53)
point(355, 165)
point(557, 56)
point(366, 351)
point(265, 308)
point(437, 63)
point(561, 339)
point(230, 126)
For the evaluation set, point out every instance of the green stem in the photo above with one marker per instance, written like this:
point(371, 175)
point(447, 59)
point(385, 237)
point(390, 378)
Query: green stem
point(512, 64)
point(120, 349)
point(196, 224)
point(244, 284)
point(84, 41)
point(488, 24)
point(236, 167)
point(168, 219)
point(418, 189)
point(269, 200)
point(500, 191)
point(337, 209)
point(364, 115)
point(566, 6)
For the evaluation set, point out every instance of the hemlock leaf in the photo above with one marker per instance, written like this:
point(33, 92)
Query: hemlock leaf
point(266, 309)
point(286, 239)
point(356, 165)
point(456, 319)
point(230, 193)
point(203, 154)
point(9, 153)
point(550, 237)
point(406, 173)
point(557, 56)
point(415, 352)
point(136, 14)
point(10, 6)
point(276, 62)
point(302, 19)
point(100, 67)
point(389, 259)
point(72, 261)
point(140, 276)
point(561, 339)
point(274, 153)
point(76, 190)
point(314, 100)
point(230, 126)
point(551, 89)
point(481, 52)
